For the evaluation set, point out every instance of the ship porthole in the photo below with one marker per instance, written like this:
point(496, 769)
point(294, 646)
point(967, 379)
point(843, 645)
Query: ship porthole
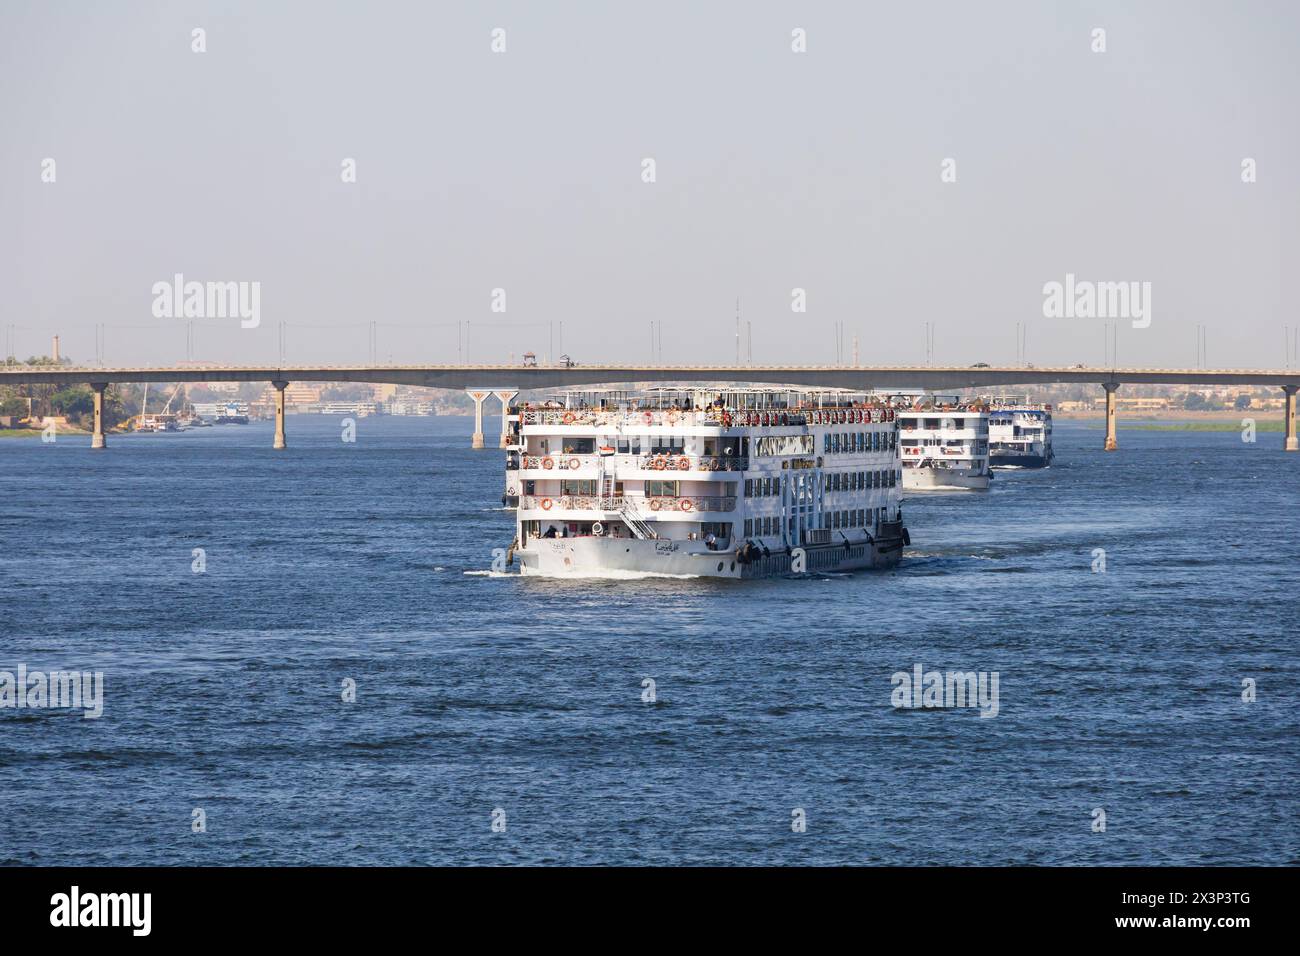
point(719, 565)
point(733, 565)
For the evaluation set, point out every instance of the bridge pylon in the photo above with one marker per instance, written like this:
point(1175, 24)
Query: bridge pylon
point(1288, 419)
point(1111, 443)
point(478, 394)
point(506, 395)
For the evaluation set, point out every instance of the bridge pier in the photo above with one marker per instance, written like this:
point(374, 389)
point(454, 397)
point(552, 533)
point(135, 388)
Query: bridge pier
point(1111, 443)
point(507, 396)
point(1288, 417)
point(97, 437)
point(279, 444)
point(478, 394)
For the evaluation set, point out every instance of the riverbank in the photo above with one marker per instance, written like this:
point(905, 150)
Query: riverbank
point(37, 432)
point(1235, 425)
point(1175, 415)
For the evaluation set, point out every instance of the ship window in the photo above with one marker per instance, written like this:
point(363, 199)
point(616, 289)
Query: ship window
point(659, 489)
point(862, 441)
point(577, 487)
point(749, 487)
point(749, 527)
point(826, 443)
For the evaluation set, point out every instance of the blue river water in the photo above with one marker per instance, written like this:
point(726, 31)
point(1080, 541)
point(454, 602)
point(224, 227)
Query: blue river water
point(1120, 691)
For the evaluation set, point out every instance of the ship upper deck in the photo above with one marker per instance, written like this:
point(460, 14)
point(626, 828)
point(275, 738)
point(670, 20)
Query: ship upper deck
point(708, 409)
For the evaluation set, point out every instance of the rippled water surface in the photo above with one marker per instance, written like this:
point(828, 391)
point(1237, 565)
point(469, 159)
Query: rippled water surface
point(1118, 690)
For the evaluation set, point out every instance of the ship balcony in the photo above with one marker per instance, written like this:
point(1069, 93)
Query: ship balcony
point(629, 466)
point(538, 466)
point(593, 417)
point(687, 463)
point(655, 507)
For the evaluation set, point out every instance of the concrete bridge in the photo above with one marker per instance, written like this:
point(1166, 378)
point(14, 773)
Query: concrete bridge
point(505, 381)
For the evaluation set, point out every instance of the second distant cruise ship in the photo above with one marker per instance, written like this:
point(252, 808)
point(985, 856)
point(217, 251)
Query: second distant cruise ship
point(1020, 436)
point(733, 483)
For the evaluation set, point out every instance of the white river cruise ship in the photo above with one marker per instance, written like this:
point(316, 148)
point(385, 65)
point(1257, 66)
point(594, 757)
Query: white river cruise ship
point(726, 483)
point(1020, 436)
point(945, 448)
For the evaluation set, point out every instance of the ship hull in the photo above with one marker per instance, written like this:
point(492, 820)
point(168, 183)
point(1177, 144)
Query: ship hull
point(1019, 460)
point(944, 479)
point(595, 557)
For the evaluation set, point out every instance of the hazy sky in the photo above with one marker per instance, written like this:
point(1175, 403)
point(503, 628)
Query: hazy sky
point(775, 170)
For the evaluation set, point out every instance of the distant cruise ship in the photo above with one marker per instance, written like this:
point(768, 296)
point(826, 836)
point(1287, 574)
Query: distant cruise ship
point(945, 448)
point(732, 483)
point(1020, 436)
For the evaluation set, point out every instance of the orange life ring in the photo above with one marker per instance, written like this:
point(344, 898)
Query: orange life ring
point(546, 504)
point(649, 417)
point(686, 504)
point(574, 464)
point(659, 464)
point(547, 463)
point(683, 464)
point(655, 504)
point(568, 418)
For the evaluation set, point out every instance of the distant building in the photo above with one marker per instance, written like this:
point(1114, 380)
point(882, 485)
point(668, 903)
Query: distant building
point(300, 393)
